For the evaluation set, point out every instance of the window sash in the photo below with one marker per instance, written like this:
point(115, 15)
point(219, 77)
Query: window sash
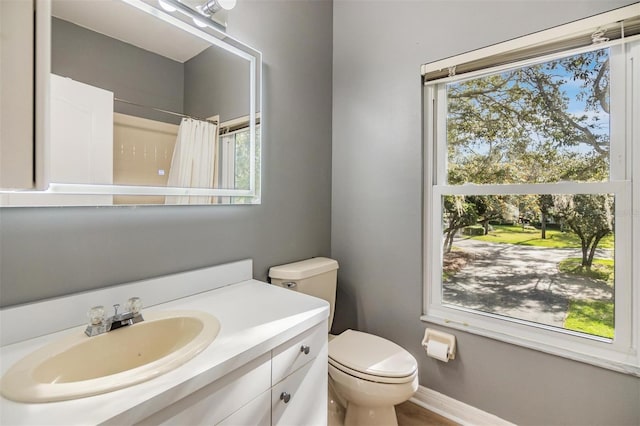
point(619, 168)
point(618, 354)
point(614, 187)
point(622, 244)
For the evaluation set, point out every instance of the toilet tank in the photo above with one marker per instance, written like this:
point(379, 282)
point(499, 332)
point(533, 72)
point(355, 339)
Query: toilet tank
point(316, 277)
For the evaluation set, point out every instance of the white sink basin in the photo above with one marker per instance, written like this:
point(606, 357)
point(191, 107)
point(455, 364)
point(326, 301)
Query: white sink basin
point(77, 366)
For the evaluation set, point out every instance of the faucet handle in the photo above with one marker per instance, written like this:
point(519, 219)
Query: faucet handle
point(96, 315)
point(134, 305)
point(115, 310)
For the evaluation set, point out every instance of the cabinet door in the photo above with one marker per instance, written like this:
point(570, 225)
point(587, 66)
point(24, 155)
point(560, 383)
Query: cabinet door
point(220, 399)
point(301, 398)
point(255, 413)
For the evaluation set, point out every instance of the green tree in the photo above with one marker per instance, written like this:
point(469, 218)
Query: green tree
point(489, 208)
point(458, 213)
point(545, 203)
point(521, 126)
point(590, 216)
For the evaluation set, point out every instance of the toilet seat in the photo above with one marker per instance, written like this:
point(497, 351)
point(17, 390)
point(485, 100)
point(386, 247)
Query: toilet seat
point(371, 358)
point(369, 377)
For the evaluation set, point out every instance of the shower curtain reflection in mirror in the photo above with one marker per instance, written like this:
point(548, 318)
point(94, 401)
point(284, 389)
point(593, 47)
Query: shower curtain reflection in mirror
point(195, 160)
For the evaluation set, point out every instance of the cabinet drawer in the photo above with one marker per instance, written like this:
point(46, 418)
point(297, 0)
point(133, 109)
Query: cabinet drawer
point(218, 400)
point(298, 351)
point(301, 398)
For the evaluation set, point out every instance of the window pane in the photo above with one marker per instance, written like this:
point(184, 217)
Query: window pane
point(242, 172)
point(543, 258)
point(241, 179)
point(537, 124)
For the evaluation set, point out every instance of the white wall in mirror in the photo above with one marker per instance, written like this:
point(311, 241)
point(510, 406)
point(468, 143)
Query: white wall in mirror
point(163, 76)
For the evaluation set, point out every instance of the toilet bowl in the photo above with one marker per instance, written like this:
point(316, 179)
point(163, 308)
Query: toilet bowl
point(368, 375)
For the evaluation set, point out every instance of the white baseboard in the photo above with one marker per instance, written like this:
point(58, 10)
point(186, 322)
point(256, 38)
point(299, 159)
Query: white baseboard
point(454, 410)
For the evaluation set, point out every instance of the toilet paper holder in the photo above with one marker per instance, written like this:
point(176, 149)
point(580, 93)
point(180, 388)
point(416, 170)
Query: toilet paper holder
point(431, 335)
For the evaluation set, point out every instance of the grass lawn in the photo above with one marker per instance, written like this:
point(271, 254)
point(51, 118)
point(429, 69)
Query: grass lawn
point(601, 269)
point(585, 316)
point(590, 316)
point(508, 234)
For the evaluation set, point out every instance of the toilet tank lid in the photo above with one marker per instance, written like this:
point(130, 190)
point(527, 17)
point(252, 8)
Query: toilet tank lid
point(303, 269)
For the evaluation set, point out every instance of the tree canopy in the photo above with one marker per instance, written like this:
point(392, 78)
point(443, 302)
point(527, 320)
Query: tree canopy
point(543, 123)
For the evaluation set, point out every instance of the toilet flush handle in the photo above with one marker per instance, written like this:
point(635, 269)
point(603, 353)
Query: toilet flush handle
point(289, 284)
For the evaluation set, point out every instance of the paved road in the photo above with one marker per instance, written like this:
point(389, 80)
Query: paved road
point(521, 282)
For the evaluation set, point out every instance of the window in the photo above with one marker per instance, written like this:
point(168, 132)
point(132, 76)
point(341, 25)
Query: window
point(529, 190)
point(235, 154)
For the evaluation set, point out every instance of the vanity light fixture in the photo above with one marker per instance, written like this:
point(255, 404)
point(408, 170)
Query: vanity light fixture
point(204, 8)
point(210, 7)
point(166, 6)
point(199, 22)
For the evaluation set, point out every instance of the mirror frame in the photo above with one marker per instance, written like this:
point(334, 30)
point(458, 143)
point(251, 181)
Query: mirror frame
point(182, 18)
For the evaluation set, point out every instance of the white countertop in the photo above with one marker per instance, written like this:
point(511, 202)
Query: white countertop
point(255, 318)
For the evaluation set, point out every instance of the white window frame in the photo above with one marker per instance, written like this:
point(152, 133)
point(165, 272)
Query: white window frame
point(619, 353)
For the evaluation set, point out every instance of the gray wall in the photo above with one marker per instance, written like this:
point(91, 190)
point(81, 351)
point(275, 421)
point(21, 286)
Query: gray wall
point(47, 252)
point(216, 82)
point(131, 73)
point(213, 82)
point(377, 211)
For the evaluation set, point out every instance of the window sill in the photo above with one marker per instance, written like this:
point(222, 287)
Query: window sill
point(574, 346)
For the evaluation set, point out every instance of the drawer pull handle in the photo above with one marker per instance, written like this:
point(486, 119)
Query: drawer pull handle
point(284, 396)
point(305, 349)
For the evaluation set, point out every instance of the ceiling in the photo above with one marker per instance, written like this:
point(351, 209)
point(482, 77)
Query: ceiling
point(118, 20)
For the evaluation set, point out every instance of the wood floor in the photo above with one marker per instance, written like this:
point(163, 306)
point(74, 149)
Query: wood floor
point(410, 414)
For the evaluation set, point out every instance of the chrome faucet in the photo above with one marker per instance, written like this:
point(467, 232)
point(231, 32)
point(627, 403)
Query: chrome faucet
point(98, 324)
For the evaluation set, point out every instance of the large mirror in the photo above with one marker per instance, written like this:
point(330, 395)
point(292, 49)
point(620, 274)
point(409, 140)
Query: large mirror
point(148, 105)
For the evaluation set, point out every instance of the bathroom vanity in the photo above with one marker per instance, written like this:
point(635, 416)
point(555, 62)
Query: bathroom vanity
point(267, 365)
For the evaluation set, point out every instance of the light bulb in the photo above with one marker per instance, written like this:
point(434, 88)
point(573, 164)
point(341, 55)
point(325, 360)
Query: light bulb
point(227, 4)
point(166, 6)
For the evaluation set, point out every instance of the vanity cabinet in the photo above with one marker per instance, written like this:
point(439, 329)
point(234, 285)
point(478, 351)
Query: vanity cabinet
point(285, 386)
point(236, 380)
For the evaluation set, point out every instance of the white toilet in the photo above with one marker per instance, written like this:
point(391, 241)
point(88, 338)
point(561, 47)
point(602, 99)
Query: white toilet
point(369, 374)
